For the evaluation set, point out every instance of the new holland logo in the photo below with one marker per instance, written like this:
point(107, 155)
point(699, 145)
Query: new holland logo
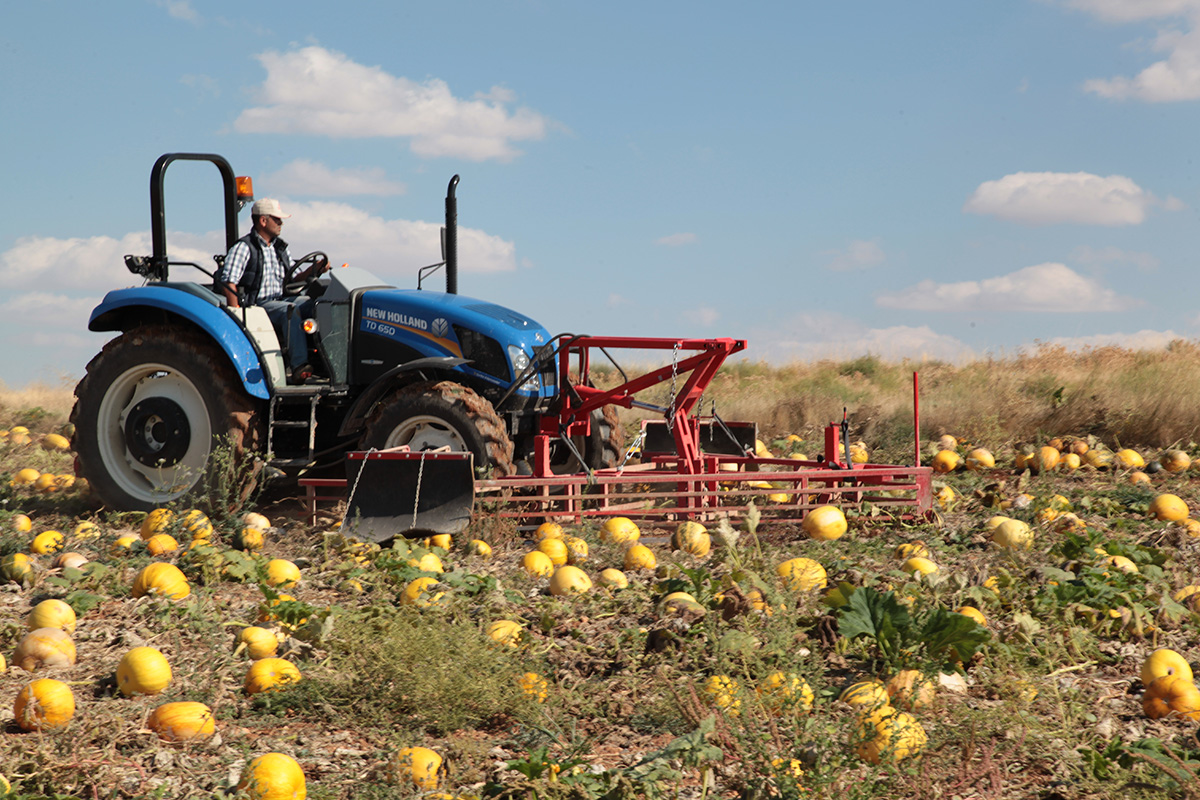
point(440, 328)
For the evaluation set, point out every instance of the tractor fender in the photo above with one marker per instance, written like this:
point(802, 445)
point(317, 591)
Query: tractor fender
point(123, 309)
point(352, 423)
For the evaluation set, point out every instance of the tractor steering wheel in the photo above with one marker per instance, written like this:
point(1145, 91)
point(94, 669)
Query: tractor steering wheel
point(320, 264)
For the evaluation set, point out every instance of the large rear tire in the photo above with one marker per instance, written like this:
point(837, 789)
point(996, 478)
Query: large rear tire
point(426, 416)
point(149, 412)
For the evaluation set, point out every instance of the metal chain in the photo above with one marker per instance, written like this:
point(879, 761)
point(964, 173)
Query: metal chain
point(674, 375)
point(417, 498)
point(637, 445)
point(354, 488)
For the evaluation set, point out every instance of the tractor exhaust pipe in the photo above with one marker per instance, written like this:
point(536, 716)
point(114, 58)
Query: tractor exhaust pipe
point(451, 243)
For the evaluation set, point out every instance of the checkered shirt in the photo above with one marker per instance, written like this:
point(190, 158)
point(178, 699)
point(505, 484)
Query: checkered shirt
point(273, 272)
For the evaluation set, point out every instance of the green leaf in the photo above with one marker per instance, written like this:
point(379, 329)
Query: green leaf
point(945, 632)
point(878, 616)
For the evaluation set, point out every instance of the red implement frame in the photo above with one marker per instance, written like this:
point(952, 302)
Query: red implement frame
point(688, 483)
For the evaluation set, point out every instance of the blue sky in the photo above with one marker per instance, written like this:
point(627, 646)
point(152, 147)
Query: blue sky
point(944, 180)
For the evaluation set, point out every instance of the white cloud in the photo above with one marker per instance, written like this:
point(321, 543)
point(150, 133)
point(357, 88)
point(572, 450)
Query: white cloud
point(1135, 10)
point(391, 248)
point(1046, 198)
point(825, 335)
point(617, 300)
point(858, 255)
point(1103, 256)
point(1176, 77)
point(309, 178)
point(179, 9)
point(1141, 340)
point(321, 92)
point(676, 240)
point(1046, 287)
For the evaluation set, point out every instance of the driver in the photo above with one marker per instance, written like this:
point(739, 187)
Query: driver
point(256, 269)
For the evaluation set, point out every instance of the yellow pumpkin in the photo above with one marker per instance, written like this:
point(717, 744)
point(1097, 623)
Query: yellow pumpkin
point(24, 477)
point(692, 538)
point(505, 632)
point(197, 523)
point(613, 579)
point(980, 458)
point(638, 557)
point(917, 564)
point(1163, 662)
point(44, 647)
point(258, 642)
point(825, 523)
point(273, 776)
point(282, 574)
point(1169, 508)
point(538, 564)
point(270, 674)
point(577, 550)
point(1013, 534)
point(945, 461)
point(910, 549)
point(255, 520)
point(866, 696)
point(16, 568)
point(548, 530)
point(86, 531)
point(249, 539)
point(802, 574)
point(421, 592)
point(556, 549)
point(44, 705)
point(21, 523)
point(620, 530)
point(52, 613)
point(182, 721)
point(1129, 459)
point(890, 735)
point(1171, 696)
point(568, 580)
point(47, 542)
point(156, 522)
point(427, 563)
point(160, 544)
point(1175, 461)
point(910, 690)
point(70, 560)
point(163, 579)
point(975, 614)
point(479, 547)
point(55, 441)
point(417, 765)
point(143, 670)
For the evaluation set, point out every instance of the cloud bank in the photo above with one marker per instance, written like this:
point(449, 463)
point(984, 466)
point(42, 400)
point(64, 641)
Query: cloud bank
point(321, 92)
point(1049, 287)
point(1049, 198)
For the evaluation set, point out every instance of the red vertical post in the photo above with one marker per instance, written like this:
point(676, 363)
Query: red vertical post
point(916, 421)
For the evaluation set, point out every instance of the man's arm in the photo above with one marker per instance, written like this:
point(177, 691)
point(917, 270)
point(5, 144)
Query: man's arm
point(232, 271)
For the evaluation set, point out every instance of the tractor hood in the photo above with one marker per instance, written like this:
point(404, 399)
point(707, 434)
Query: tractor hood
point(498, 341)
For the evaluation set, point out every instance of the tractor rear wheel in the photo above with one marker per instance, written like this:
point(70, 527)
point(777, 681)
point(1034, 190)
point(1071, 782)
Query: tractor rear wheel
point(426, 416)
point(602, 448)
point(153, 406)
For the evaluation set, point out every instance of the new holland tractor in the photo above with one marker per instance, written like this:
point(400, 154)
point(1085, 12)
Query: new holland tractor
point(416, 368)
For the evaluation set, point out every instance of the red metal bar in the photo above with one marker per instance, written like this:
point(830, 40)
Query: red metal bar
point(916, 421)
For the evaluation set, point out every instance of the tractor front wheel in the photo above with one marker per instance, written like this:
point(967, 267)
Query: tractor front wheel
point(149, 412)
point(426, 416)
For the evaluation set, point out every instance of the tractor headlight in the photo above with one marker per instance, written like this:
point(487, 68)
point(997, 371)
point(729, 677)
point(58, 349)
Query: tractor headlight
point(520, 362)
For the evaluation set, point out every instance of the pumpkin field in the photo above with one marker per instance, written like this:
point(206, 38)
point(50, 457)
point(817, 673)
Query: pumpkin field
point(1034, 637)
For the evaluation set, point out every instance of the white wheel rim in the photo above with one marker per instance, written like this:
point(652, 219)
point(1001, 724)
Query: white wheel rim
point(145, 483)
point(426, 433)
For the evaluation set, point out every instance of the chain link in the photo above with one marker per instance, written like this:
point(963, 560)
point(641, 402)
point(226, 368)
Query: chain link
point(636, 446)
point(417, 498)
point(674, 375)
point(354, 488)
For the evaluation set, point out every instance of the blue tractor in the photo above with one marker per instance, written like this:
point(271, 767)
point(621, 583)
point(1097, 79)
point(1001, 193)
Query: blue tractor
point(419, 368)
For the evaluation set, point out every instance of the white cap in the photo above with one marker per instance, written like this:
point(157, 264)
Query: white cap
point(267, 207)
